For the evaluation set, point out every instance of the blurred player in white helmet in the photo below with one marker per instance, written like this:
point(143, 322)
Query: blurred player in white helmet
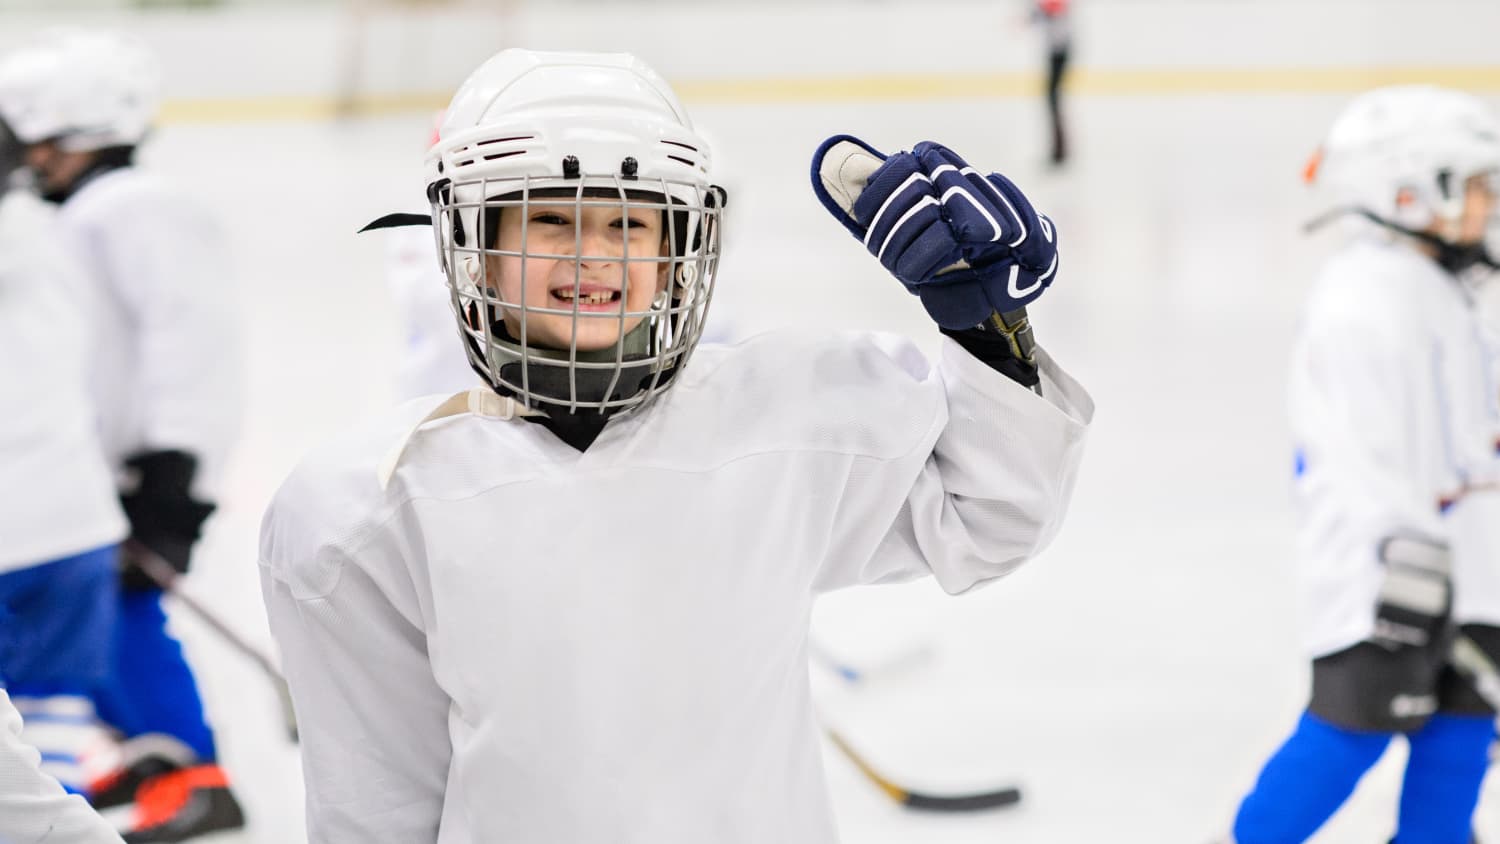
point(572, 604)
point(167, 383)
point(1394, 411)
point(61, 527)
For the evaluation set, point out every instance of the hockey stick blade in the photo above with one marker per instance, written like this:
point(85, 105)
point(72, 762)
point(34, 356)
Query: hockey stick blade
point(972, 802)
point(165, 576)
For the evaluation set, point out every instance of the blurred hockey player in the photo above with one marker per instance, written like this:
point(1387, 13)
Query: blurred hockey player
point(61, 524)
point(550, 608)
point(1057, 28)
point(1393, 407)
point(167, 386)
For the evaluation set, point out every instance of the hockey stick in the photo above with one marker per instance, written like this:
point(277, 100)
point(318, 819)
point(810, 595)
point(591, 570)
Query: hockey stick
point(165, 576)
point(974, 802)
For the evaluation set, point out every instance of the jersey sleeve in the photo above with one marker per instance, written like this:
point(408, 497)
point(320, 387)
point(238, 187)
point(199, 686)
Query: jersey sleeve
point(983, 493)
point(169, 266)
point(33, 806)
point(372, 718)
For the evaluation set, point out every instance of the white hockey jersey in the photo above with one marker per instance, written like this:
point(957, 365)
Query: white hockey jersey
point(515, 641)
point(1475, 519)
point(167, 358)
point(60, 495)
point(1394, 418)
point(34, 809)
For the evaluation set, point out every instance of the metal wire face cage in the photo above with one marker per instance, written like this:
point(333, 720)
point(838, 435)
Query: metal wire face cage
point(580, 293)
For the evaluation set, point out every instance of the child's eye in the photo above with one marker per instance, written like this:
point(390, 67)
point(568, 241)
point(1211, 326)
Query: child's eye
point(550, 219)
point(630, 223)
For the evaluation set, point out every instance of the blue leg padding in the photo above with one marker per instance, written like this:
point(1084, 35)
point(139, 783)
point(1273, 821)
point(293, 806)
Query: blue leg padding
point(1306, 781)
point(151, 688)
point(1449, 758)
point(57, 621)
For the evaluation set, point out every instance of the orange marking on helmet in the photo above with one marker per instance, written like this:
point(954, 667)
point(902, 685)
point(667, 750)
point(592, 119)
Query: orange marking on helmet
point(1310, 169)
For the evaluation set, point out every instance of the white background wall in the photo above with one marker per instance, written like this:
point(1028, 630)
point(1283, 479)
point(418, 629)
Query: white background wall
point(306, 51)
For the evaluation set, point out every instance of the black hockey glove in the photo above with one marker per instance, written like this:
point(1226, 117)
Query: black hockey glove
point(164, 516)
point(1416, 596)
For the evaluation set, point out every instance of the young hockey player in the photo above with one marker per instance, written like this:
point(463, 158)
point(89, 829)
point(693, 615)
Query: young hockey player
point(61, 525)
point(431, 360)
point(166, 381)
point(1393, 404)
point(572, 605)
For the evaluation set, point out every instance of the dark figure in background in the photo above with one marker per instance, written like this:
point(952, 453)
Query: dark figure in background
point(1053, 15)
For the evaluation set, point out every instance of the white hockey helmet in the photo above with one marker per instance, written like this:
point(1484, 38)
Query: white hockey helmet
point(88, 90)
point(1402, 154)
point(591, 130)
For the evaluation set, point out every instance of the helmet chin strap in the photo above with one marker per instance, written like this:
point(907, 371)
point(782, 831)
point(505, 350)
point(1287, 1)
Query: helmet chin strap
point(1456, 258)
point(104, 161)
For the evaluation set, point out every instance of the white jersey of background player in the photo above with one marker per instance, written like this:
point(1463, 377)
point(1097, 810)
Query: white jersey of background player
point(167, 360)
point(61, 497)
point(573, 606)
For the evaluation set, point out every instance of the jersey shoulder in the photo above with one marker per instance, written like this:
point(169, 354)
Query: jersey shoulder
point(334, 499)
point(131, 197)
point(856, 393)
point(1376, 289)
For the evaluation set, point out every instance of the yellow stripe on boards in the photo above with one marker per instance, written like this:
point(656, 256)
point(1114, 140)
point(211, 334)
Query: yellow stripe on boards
point(1084, 81)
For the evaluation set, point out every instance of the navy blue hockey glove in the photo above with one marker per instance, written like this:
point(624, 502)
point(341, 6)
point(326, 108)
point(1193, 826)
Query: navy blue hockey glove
point(968, 245)
point(164, 516)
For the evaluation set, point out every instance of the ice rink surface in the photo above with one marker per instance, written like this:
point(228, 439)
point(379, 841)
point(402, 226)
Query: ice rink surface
point(1131, 679)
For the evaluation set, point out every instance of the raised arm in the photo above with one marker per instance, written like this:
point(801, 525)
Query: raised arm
point(996, 472)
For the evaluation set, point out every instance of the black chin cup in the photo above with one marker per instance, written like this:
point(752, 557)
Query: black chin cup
point(1455, 258)
point(588, 385)
point(102, 161)
point(562, 384)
